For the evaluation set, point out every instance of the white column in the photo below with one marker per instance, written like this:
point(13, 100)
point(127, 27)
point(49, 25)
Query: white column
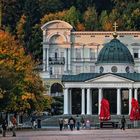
point(100, 96)
point(136, 94)
point(47, 59)
point(118, 101)
point(66, 101)
point(89, 102)
point(70, 102)
point(66, 60)
point(69, 58)
point(83, 102)
point(44, 59)
point(130, 99)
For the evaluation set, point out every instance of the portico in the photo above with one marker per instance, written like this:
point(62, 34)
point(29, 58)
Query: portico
point(99, 82)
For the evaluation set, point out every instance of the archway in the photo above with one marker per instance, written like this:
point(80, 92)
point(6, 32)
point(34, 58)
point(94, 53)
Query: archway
point(56, 89)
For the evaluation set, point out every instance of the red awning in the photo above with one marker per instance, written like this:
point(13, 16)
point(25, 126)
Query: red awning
point(135, 111)
point(105, 110)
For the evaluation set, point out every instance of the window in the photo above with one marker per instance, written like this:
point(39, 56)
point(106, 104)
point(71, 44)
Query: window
point(127, 69)
point(92, 68)
point(62, 54)
point(92, 53)
point(114, 69)
point(135, 52)
point(101, 69)
point(78, 53)
point(78, 69)
point(136, 55)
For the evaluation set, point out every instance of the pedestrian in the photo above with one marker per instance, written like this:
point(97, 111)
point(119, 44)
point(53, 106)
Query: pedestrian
point(4, 127)
point(88, 123)
point(60, 123)
point(83, 122)
point(78, 119)
point(123, 122)
point(14, 124)
point(34, 124)
point(65, 123)
point(71, 123)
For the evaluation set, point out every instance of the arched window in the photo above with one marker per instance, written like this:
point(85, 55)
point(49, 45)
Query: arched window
point(56, 88)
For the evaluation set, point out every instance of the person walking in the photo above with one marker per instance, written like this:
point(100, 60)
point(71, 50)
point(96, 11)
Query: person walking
point(14, 123)
point(66, 123)
point(78, 119)
point(123, 122)
point(71, 123)
point(60, 123)
point(4, 127)
point(83, 122)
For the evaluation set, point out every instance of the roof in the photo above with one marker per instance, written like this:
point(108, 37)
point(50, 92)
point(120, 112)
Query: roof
point(87, 76)
point(115, 52)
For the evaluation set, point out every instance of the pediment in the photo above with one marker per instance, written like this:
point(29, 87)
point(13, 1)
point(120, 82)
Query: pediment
point(109, 78)
point(56, 24)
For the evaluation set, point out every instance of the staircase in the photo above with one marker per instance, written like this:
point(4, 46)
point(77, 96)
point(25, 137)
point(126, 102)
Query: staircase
point(94, 119)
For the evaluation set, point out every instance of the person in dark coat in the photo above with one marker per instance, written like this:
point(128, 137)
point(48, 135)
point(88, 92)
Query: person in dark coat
point(71, 123)
point(123, 122)
point(60, 123)
point(4, 127)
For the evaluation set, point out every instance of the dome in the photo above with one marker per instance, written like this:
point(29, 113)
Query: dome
point(115, 52)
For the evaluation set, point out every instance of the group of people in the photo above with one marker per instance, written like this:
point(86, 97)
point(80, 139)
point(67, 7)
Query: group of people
point(13, 122)
point(81, 122)
point(72, 123)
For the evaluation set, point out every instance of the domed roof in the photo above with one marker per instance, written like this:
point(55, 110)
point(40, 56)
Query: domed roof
point(115, 52)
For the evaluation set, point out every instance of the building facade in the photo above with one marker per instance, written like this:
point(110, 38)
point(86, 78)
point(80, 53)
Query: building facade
point(85, 56)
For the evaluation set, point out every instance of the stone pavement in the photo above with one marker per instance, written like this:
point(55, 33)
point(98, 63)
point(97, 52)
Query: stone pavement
point(94, 134)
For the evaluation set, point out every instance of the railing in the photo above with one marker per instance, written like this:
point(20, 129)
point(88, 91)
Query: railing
point(84, 59)
point(56, 60)
point(56, 76)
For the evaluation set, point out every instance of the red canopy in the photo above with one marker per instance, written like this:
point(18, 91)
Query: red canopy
point(105, 110)
point(135, 111)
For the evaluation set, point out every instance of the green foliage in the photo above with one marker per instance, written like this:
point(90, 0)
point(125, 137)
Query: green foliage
point(90, 18)
point(58, 103)
point(72, 16)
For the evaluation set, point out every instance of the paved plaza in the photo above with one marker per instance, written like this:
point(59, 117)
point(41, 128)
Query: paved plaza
point(94, 134)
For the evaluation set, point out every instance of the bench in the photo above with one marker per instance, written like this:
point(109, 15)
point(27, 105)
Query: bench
point(109, 124)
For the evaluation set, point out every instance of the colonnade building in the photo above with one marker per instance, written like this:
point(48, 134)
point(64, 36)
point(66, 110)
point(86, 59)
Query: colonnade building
point(86, 66)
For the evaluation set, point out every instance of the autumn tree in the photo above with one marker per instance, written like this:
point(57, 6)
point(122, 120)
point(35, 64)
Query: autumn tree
point(20, 85)
point(90, 19)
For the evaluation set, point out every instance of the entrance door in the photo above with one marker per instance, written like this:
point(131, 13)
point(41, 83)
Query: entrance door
point(94, 101)
point(111, 96)
point(76, 101)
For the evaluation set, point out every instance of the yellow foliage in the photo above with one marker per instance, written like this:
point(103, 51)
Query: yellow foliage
point(28, 96)
point(80, 27)
point(53, 16)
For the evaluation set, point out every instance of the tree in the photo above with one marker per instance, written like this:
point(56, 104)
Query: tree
point(105, 22)
point(11, 12)
point(20, 84)
point(51, 6)
point(90, 19)
point(53, 16)
point(72, 16)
